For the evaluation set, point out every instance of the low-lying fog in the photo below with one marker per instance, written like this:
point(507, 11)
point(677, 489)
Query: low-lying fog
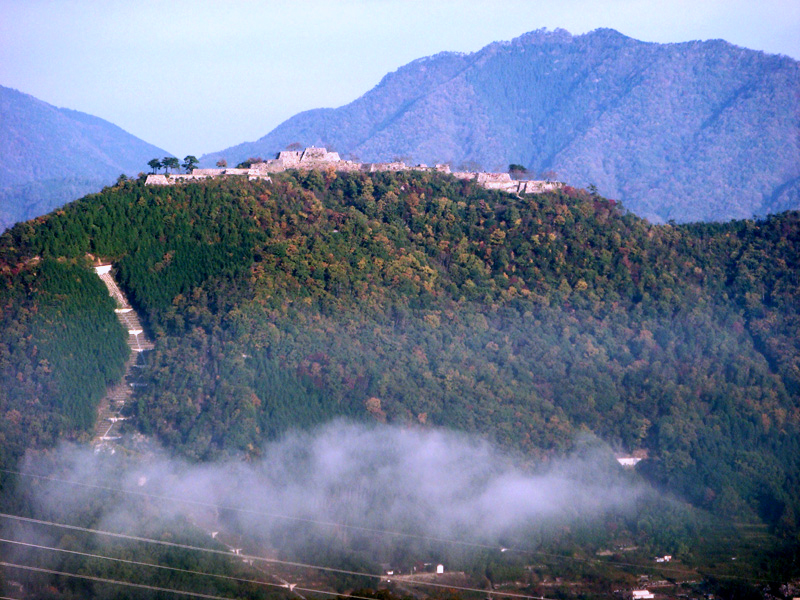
point(343, 478)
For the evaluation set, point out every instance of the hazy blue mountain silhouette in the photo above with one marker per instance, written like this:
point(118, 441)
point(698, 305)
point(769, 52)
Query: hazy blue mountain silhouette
point(54, 155)
point(689, 131)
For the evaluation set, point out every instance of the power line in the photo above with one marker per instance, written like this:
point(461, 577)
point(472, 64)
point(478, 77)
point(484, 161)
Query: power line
point(674, 570)
point(140, 563)
point(179, 570)
point(196, 594)
point(263, 513)
point(143, 586)
point(266, 560)
point(135, 538)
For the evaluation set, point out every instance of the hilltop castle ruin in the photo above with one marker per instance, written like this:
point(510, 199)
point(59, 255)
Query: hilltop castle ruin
point(321, 159)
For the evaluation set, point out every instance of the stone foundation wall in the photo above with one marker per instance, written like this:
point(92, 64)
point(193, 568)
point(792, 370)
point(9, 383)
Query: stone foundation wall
point(384, 167)
point(200, 174)
point(313, 158)
point(539, 187)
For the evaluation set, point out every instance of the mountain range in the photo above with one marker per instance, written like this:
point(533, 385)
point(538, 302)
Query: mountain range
point(695, 131)
point(692, 131)
point(560, 328)
point(53, 155)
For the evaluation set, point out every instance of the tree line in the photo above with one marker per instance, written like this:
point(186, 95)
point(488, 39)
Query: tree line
point(171, 162)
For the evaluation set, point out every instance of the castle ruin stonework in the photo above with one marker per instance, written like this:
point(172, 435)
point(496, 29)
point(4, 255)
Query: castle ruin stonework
point(321, 159)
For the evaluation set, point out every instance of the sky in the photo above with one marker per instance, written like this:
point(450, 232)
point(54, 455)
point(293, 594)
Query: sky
point(200, 76)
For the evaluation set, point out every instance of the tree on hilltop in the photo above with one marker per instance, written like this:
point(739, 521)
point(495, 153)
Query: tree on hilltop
point(189, 163)
point(170, 162)
point(154, 164)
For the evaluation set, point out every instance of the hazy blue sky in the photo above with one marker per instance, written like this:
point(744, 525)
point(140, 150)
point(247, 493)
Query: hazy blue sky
point(194, 77)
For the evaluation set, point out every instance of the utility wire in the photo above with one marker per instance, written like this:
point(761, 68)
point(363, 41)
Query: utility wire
point(266, 560)
point(369, 529)
point(135, 538)
point(377, 531)
point(140, 563)
point(262, 513)
point(143, 586)
point(186, 593)
point(187, 571)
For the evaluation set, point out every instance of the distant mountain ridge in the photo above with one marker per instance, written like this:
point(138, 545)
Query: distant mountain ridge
point(53, 155)
point(689, 131)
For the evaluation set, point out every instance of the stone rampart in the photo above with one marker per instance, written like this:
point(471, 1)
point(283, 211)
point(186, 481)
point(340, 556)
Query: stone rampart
point(207, 172)
point(497, 181)
point(383, 167)
point(539, 187)
point(157, 180)
point(289, 157)
point(314, 154)
point(200, 174)
point(313, 158)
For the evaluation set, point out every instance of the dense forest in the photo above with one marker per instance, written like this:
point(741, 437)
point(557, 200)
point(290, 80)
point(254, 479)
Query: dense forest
point(420, 299)
point(61, 346)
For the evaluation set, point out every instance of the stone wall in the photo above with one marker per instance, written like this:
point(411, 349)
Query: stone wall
point(289, 157)
point(313, 158)
point(207, 172)
point(539, 187)
point(383, 167)
point(497, 181)
point(200, 174)
point(157, 180)
point(314, 154)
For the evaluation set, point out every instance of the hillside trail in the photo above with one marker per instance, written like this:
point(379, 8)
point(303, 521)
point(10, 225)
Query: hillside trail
point(109, 415)
point(109, 412)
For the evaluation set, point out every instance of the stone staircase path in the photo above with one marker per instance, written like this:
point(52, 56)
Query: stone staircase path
point(109, 413)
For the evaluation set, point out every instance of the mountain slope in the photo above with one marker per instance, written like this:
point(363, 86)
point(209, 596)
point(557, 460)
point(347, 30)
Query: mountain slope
point(691, 131)
point(422, 299)
point(53, 155)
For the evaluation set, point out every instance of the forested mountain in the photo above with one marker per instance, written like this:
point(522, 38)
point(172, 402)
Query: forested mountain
point(418, 298)
point(690, 131)
point(55, 155)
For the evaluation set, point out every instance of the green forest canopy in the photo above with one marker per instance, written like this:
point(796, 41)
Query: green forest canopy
point(418, 298)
